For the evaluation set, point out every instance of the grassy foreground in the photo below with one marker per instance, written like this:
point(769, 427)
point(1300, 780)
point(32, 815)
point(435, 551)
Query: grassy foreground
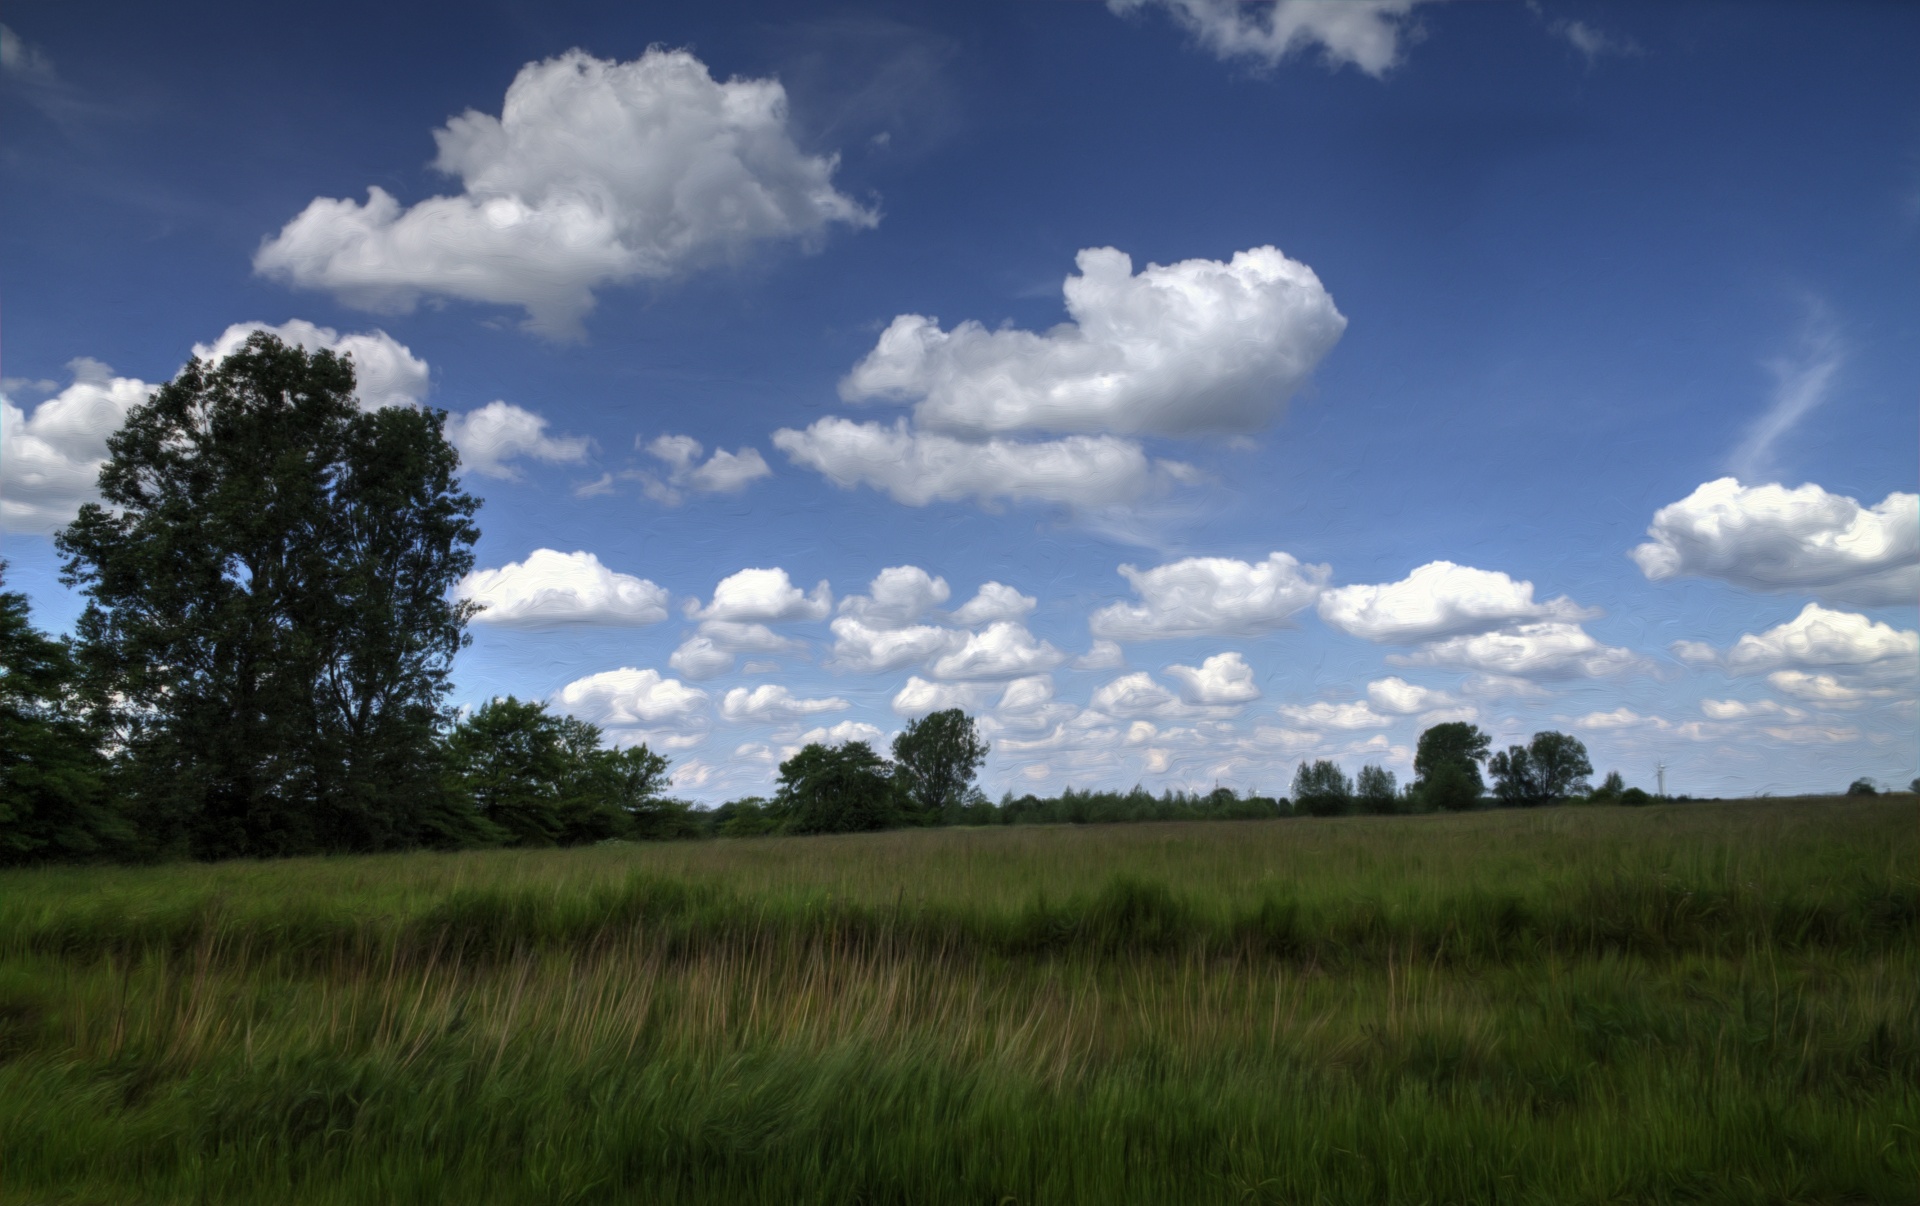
point(1691, 1003)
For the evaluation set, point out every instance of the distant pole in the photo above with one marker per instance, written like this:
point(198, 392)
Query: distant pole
point(1660, 768)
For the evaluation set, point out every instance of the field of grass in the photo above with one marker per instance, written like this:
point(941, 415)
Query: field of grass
point(1686, 1003)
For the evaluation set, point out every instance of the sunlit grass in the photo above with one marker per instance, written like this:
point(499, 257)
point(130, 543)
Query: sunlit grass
point(1689, 1003)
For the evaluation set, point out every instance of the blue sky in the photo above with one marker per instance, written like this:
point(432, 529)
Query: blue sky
point(1301, 374)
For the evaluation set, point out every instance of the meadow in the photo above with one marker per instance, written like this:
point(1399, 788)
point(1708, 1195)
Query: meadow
point(1709, 1002)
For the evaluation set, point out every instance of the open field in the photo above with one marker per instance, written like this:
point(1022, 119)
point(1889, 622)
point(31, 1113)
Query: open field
point(1707, 1002)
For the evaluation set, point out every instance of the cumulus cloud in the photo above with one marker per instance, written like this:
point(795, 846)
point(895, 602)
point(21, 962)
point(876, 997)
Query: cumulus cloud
point(493, 436)
point(1619, 718)
point(1741, 709)
point(551, 587)
point(1821, 639)
point(1397, 695)
point(1221, 679)
point(1004, 649)
point(722, 473)
point(385, 371)
point(765, 595)
point(1134, 694)
point(897, 597)
point(1552, 649)
point(1361, 33)
point(1197, 346)
point(595, 173)
point(1824, 690)
point(1325, 715)
point(1101, 655)
point(1211, 596)
point(919, 697)
point(50, 460)
point(1440, 599)
point(846, 732)
point(774, 704)
point(993, 601)
point(864, 649)
point(1770, 538)
point(917, 468)
point(711, 649)
point(628, 698)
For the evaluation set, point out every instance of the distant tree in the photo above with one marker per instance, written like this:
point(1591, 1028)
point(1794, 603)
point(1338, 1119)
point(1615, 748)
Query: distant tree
point(1322, 789)
point(1446, 765)
point(1914, 787)
point(53, 797)
point(1552, 766)
point(1376, 789)
point(1611, 789)
point(1863, 787)
point(749, 817)
point(836, 789)
point(935, 759)
point(269, 574)
point(537, 779)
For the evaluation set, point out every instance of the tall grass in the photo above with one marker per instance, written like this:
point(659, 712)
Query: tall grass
point(1714, 1003)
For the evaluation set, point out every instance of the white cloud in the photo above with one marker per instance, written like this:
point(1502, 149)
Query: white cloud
point(863, 649)
point(551, 587)
point(1004, 649)
point(1822, 639)
point(1774, 539)
point(1801, 383)
point(1813, 734)
point(1134, 694)
point(630, 698)
point(1221, 679)
point(1740, 709)
point(492, 436)
point(898, 596)
point(1363, 33)
point(1101, 655)
point(711, 649)
point(841, 734)
point(1619, 718)
point(50, 461)
point(1334, 716)
point(701, 657)
point(1211, 596)
point(1397, 695)
point(766, 595)
point(385, 371)
point(1196, 346)
point(723, 473)
point(919, 697)
point(1593, 42)
point(917, 468)
point(1439, 599)
point(994, 601)
point(595, 173)
point(774, 704)
point(1824, 689)
point(1546, 650)
point(1026, 695)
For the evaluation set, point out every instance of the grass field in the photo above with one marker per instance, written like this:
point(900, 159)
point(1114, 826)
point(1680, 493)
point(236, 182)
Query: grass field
point(1685, 1003)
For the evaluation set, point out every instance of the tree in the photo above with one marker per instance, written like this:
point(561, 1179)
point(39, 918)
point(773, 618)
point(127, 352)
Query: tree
point(1552, 767)
point(1863, 787)
point(1322, 789)
point(53, 801)
point(1611, 788)
point(835, 789)
point(537, 779)
point(1446, 765)
point(1376, 789)
point(935, 759)
point(268, 578)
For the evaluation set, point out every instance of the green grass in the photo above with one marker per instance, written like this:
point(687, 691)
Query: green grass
point(1695, 1003)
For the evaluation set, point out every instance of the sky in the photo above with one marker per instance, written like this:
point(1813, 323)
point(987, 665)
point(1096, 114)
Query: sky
point(1185, 388)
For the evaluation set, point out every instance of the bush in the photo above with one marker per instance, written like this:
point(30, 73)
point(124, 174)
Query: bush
point(1863, 787)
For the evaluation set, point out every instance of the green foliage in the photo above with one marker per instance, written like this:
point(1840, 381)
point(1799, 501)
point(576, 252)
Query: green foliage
point(1552, 767)
point(53, 799)
point(1451, 787)
point(935, 759)
point(1322, 789)
point(750, 817)
point(536, 779)
point(268, 578)
point(836, 789)
point(1375, 789)
point(1610, 789)
point(1446, 766)
point(1080, 806)
point(1863, 787)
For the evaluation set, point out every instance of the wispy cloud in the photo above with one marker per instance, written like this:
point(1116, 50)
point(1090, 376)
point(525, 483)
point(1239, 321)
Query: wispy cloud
point(1803, 381)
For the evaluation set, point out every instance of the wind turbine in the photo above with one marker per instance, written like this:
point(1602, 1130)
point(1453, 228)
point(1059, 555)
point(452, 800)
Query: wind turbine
point(1660, 768)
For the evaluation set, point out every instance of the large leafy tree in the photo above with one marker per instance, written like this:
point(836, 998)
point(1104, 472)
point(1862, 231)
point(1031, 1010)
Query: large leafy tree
point(935, 759)
point(53, 802)
point(1446, 765)
point(268, 576)
point(836, 789)
point(1552, 766)
point(1322, 789)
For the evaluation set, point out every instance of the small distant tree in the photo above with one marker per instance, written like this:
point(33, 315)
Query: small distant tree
point(1610, 789)
point(1322, 789)
point(935, 759)
point(1376, 789)
point(1551, 767)
point(1446, 765)
point(1863, 787)
point(835, 789)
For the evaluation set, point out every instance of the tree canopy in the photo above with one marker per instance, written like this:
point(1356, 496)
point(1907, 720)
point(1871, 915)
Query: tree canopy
point(1446, 765)
point(935, 759)
point(836, 789)
point(1551, 767)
